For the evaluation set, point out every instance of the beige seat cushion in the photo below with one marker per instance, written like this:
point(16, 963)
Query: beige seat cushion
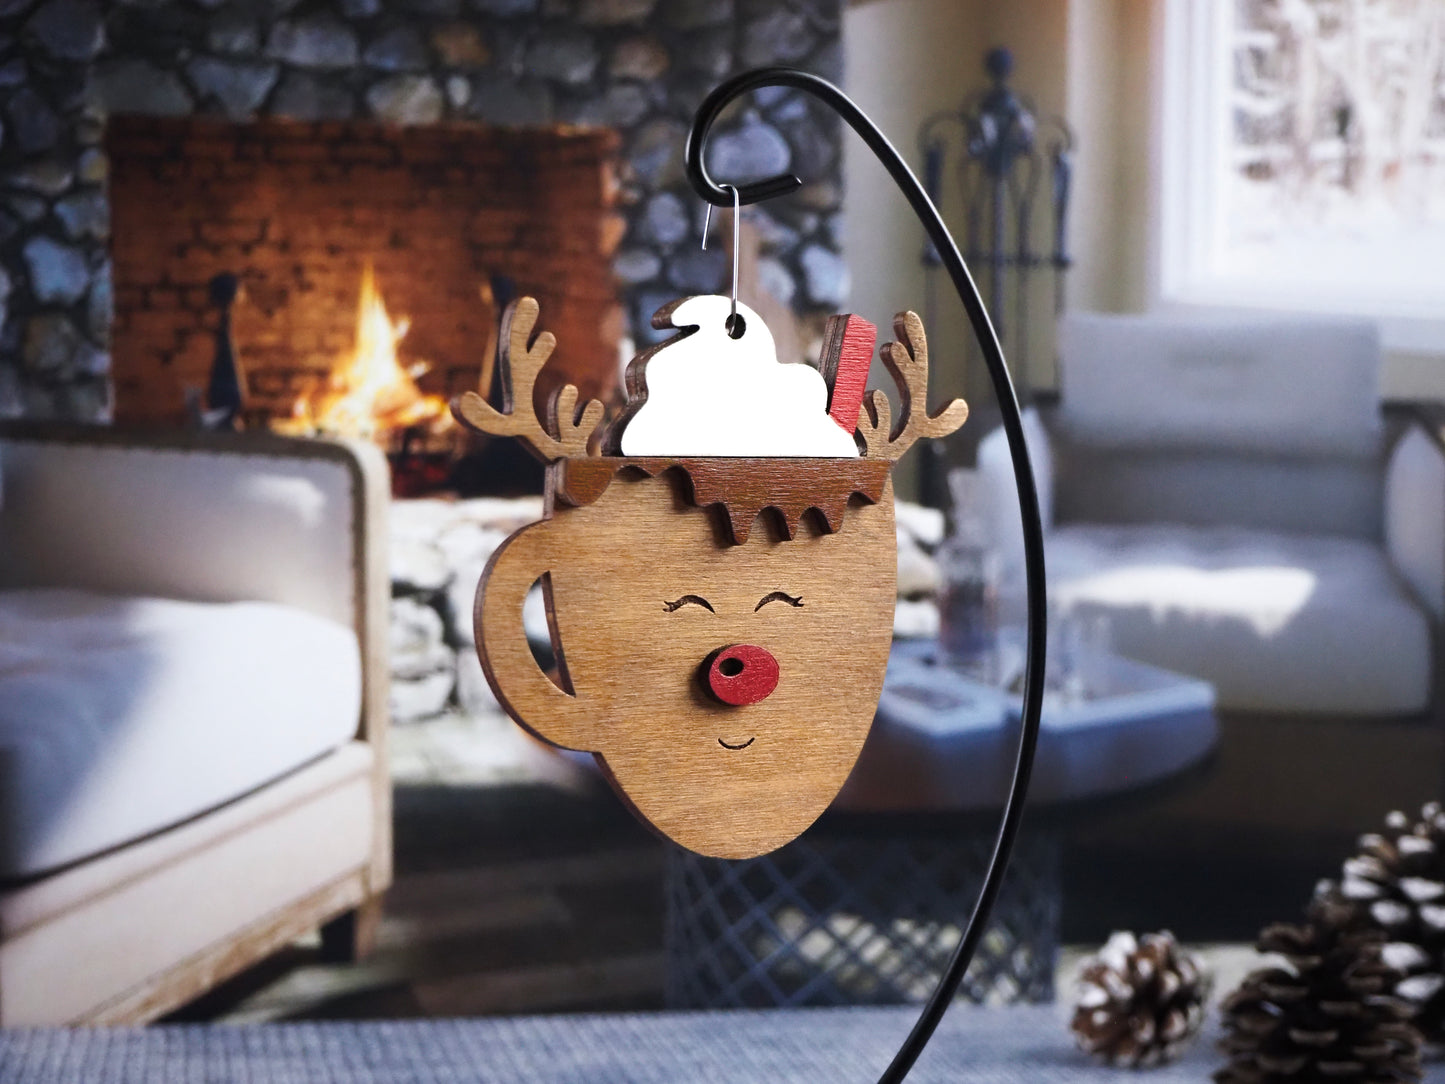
point(122, 716)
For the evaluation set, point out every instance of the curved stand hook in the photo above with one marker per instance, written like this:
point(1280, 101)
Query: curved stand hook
point(968, 293)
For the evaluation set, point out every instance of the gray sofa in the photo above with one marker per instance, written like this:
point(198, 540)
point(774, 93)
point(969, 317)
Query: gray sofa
point(1229, 496)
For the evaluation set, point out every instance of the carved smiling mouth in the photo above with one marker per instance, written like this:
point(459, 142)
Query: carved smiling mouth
point(744, 745)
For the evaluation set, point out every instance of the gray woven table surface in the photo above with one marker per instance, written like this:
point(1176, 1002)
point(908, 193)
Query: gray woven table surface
point(820, 1046)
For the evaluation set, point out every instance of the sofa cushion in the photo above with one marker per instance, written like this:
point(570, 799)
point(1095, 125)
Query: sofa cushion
point(122, 716)
point(109, 517)
point(1284, 386)
point(1276, 621)
point(1239, 489)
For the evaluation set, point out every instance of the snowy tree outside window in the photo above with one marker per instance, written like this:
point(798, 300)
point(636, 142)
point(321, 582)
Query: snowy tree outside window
point(1304, 156)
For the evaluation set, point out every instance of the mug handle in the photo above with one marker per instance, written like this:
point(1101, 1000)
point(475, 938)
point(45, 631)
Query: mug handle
point(526, 693)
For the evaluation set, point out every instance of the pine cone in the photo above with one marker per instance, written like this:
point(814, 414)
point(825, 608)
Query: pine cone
point(1140, 1001)
point(1325, 1015)
point(1396, 884)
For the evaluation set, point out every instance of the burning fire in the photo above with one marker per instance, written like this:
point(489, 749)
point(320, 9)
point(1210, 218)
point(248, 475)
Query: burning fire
point(369, 393)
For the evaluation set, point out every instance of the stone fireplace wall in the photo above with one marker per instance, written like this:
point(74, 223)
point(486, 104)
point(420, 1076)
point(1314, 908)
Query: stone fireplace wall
point(299, 209)
point(637, 66)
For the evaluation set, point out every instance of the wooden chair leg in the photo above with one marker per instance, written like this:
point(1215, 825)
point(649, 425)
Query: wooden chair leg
point(351, 936)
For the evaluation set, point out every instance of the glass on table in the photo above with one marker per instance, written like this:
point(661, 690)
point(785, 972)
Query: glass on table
point(970, 570)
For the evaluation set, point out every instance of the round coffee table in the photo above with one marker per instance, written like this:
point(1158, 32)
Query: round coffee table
point(945, 741)
point(869, 904)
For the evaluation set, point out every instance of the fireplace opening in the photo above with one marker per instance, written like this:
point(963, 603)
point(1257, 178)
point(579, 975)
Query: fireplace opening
point(368, 391)
point(372, 261)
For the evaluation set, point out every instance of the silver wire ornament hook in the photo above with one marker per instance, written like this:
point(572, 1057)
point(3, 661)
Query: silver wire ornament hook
point(735, 325)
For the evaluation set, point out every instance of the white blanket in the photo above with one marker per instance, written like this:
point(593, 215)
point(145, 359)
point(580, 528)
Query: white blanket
point(123, 716)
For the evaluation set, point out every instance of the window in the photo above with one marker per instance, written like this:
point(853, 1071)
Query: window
point(1303, 159)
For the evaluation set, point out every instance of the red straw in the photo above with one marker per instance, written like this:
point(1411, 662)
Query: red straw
point(847, 354)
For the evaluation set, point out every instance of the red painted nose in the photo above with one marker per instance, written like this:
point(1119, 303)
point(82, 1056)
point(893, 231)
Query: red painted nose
point(742, 674)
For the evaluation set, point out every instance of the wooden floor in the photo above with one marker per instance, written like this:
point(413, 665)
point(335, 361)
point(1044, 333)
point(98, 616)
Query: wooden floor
point(522, 885)
point(1242, 841)
point(510, 898)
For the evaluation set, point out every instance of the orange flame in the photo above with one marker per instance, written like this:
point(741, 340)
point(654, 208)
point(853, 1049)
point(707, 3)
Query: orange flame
point(369, 392)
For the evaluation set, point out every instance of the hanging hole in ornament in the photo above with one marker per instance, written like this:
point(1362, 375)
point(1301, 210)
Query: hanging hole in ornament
point(736, 326)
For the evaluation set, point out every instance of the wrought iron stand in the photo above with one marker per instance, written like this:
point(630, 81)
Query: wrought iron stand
point(952, 261)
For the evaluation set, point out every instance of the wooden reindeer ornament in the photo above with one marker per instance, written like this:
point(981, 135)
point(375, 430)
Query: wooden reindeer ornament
point(721, 621)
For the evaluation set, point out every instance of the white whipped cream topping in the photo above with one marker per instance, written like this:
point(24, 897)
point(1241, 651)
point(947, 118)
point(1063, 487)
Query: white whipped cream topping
point(709, 394)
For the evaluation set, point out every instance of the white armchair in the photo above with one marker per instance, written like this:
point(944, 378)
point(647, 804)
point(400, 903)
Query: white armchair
point(192, 711)
point(1225, 493)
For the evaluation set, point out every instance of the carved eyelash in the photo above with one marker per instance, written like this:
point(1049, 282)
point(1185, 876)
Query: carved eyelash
point(777, 596)
point(696, 600)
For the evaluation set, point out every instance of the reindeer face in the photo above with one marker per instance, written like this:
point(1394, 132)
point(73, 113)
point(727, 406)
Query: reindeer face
point(723, 668)
point(726, 689)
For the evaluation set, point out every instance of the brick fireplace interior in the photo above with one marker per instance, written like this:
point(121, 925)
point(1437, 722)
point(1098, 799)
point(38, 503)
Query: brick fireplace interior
point(298, 210)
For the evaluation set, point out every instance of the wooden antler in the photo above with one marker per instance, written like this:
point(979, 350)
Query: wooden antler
point(521, 358)
point(907, 361)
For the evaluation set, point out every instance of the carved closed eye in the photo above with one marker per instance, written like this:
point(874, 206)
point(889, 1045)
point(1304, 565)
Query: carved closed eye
point(777, 596)
point(688, 600)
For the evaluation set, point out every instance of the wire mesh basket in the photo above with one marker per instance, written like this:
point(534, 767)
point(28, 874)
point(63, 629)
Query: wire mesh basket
point(857, 918)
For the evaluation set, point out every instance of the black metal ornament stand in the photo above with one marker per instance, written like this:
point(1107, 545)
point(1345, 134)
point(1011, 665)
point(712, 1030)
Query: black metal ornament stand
point(927, 213)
